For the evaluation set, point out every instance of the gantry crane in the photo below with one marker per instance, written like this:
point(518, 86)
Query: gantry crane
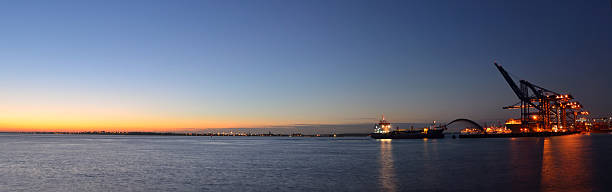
point(542, 109)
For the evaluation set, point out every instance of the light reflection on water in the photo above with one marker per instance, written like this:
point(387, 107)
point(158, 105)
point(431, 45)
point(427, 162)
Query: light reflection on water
point(159, 163)
point(387, 170)
point(566, 165)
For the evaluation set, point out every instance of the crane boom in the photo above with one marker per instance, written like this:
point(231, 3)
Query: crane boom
point(511, 82)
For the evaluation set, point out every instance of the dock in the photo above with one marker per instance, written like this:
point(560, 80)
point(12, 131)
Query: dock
point(528, 134)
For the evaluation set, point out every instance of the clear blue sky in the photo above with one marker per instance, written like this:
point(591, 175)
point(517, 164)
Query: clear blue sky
point(256, 63)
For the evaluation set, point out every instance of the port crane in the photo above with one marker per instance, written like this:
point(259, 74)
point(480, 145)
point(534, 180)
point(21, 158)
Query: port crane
point(542, 109)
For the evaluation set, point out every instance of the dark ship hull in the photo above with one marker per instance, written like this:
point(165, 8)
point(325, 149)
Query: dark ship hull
point(432, 134)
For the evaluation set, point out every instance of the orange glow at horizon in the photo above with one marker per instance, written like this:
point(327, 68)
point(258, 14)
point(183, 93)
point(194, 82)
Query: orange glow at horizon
point(122, 121)
point(117, 125)
point(66, 116)
point(49, 122)
point(75, 113)
point(62, 125)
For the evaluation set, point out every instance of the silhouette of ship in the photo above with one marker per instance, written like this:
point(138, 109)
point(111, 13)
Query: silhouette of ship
point(382, 130)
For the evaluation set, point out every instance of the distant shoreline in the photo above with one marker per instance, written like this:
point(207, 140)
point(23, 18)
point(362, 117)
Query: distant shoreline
point(197, 134)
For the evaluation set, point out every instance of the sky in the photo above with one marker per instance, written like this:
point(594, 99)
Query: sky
point(173, 65)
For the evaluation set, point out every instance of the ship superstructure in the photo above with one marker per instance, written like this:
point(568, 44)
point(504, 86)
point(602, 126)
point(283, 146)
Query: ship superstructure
point(383, 126)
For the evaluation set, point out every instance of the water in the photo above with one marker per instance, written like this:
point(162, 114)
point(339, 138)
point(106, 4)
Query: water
point(173, 163)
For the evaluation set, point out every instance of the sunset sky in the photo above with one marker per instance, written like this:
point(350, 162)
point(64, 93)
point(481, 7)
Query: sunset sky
point(170, 65)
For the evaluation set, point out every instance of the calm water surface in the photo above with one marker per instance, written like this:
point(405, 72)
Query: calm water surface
point(173, 163)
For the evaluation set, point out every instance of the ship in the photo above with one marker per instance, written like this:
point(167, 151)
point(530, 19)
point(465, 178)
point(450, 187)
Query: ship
point(382, 130)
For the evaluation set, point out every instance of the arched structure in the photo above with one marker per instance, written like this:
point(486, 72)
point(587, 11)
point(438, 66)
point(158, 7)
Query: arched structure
point(477, 126)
